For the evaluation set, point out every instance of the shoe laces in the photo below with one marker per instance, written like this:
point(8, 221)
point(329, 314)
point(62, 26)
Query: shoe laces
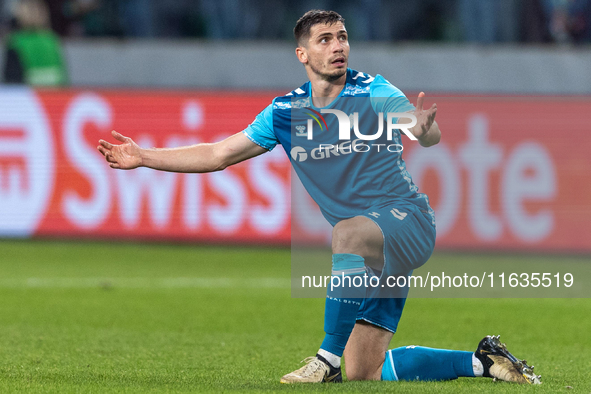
point(313, 364)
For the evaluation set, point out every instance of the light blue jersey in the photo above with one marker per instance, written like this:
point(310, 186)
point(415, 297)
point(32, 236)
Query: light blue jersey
point(345, 177)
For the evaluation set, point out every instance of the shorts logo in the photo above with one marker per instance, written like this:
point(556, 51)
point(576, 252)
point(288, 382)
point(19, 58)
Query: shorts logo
point(397, 214)
point(298, 154)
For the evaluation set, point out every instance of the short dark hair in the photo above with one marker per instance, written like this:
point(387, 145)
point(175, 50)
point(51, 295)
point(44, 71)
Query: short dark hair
point(301, 31)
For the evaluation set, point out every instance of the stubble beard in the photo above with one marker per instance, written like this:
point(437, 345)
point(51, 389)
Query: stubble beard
point(326, 76)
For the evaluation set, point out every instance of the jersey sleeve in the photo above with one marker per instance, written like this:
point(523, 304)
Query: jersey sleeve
point(386, 97)
point(260, 131)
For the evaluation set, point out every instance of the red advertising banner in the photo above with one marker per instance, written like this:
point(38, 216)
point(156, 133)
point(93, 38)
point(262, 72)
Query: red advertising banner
point(509, 173)
point(54, 181)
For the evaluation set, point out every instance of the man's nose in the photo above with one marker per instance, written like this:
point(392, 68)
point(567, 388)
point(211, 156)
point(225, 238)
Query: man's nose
point(337, 45)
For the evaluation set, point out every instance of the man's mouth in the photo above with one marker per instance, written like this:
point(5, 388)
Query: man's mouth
point(339, 61)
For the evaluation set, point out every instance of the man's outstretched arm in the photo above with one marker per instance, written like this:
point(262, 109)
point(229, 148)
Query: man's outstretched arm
point(195, 158)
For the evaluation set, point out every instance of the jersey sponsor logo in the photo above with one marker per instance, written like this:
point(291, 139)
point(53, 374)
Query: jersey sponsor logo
point(298, 154)
point(324, 151)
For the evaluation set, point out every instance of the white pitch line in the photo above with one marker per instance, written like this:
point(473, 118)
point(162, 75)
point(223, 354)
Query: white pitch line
point(146, 283)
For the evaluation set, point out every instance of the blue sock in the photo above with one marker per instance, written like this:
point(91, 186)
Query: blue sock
point(424, 363)
point(342, 302)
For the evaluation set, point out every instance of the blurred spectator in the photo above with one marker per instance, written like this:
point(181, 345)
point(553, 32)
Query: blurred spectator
point(568, 20)
point(145, 19)
point(6, 10)
point(366, 12)
point(478, 20)
point(65, 15)
point(223, 17)
point(413, 20)
point(509, 16)
point(361, 17)
point(179, 18)
point(137, 17)
point(107, 20)
point(33, 51)
point(534, 24)
point(257, 24)
point(490, 21)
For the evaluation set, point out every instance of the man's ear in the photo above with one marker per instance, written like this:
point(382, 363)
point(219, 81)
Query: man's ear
point(302, 54)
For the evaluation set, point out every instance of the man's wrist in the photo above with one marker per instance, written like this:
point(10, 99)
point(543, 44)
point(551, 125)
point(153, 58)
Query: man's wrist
point(431, 137)
point(144, 156)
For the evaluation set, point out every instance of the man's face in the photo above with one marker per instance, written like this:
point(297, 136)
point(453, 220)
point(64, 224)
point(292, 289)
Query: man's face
point(327, 50)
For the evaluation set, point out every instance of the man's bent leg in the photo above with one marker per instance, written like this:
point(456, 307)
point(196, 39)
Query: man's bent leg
point(342, 305)
point(367, 358)
point(409, 238)
point(365, 351)
point(427, 364)
point(356, 242)
point(362, 236)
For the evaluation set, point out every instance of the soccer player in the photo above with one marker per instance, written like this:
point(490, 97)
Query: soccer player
point(382, 226)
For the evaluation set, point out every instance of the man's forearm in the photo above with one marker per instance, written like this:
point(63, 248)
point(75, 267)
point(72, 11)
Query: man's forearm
point(202, 157)
point(432, 136)
point(194, 158)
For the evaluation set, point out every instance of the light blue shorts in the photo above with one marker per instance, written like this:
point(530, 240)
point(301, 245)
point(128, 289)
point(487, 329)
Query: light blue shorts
point(409, 239)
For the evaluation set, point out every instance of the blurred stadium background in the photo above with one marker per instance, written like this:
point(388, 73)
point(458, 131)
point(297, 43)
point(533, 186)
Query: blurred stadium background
point(509, 181)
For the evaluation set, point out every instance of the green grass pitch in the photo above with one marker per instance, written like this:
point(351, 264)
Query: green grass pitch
point(92, 317)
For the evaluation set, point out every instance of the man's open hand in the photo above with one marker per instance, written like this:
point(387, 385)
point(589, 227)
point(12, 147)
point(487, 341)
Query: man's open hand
point(125, 156)
point(425, 117)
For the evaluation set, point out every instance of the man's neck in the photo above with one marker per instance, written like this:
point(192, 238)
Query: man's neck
point(324, 92)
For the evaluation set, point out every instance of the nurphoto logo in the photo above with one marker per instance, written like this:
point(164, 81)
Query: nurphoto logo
point(345, 125)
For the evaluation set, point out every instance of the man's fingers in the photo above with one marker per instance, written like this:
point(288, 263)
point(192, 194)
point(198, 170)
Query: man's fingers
point(420, 101)
point(110, 158)
point(102, 150)
point(106, 144)
point(114, 165)
point(433, 110)
point(118, 136)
